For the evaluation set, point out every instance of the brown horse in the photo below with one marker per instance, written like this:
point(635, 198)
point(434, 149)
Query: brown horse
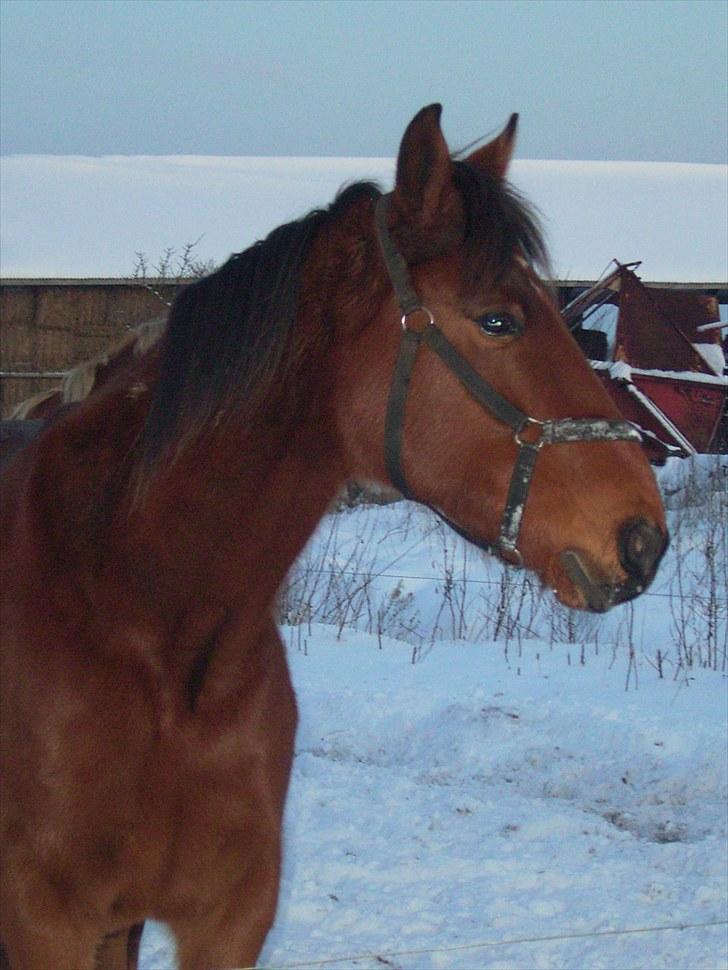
point(148, 718)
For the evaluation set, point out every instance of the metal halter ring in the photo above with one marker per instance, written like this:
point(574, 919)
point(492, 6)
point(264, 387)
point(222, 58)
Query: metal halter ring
point(538, 444)
point(418, 309)
point(509, 553)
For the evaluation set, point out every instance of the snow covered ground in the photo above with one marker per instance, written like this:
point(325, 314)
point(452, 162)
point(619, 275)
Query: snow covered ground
point(74, 216)
point(545, 785)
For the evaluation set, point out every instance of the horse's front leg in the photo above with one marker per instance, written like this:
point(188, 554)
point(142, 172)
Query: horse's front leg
point(232, 933)
point(236, 889)
point(56, 944)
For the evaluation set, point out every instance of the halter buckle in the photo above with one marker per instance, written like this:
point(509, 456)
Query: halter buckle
point(539, 442)
point(509, 553)
point(417, 309)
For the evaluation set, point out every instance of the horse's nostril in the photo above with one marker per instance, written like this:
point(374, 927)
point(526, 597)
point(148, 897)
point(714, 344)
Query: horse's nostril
point(641, 546)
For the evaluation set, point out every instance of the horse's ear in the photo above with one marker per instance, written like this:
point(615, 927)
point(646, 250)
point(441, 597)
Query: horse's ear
point(495, 157)
point(424, 169)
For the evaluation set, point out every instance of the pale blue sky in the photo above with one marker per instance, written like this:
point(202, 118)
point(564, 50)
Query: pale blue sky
point(594, 79)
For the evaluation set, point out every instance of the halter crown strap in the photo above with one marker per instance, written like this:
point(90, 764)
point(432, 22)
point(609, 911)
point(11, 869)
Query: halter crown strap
point(396, 265)
point(549, 432)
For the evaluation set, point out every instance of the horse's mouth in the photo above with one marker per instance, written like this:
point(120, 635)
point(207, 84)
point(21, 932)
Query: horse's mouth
point(587, 592)
point(640, 548)
point(597, 594)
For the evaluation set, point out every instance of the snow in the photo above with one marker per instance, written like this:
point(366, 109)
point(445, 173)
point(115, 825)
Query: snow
point(689, 376)
point(620, 370)
point(76, 216)
point(454, 790)
point(713, 356)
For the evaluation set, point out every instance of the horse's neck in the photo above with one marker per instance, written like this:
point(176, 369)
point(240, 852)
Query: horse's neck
point(224, 521)
point(231, 516)
point(183, 566)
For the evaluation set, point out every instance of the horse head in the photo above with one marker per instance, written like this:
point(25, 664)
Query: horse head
point(466, 391)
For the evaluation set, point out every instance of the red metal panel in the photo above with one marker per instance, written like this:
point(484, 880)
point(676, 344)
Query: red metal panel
point(694, 408)
point(688, 311)
point(633, 410)
point(646, 334)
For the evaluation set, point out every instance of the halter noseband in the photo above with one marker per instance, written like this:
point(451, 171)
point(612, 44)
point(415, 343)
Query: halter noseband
point(549, 432)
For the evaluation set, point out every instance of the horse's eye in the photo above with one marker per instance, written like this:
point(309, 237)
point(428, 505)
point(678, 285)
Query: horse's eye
point(499, 324)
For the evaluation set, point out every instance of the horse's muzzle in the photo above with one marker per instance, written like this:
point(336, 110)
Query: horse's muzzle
point(641, 546)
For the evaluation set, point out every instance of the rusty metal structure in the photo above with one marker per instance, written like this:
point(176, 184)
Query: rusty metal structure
point(661, 355)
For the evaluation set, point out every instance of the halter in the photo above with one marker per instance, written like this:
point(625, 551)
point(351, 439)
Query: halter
point(530, 434)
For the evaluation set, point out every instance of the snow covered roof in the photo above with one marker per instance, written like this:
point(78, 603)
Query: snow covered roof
point(75, 216)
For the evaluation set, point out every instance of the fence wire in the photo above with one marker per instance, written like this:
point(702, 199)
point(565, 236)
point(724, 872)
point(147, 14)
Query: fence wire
point(382, 956)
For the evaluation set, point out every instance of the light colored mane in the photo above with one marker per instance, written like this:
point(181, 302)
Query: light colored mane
point(80, 380)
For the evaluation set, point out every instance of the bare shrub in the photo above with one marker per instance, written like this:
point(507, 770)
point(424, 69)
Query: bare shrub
point(699, 577)
point(174, 266)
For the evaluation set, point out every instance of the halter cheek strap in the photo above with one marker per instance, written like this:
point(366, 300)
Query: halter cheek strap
point(530, 434)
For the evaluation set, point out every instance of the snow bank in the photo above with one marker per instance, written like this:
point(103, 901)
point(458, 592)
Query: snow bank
point(75, 216)
point(470, 799)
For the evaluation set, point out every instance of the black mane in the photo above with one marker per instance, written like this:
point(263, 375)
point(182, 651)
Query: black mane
point(227, 334)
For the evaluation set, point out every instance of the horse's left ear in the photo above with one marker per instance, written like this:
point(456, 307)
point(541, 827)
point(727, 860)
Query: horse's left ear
point(495, 157)
point(424, 170)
